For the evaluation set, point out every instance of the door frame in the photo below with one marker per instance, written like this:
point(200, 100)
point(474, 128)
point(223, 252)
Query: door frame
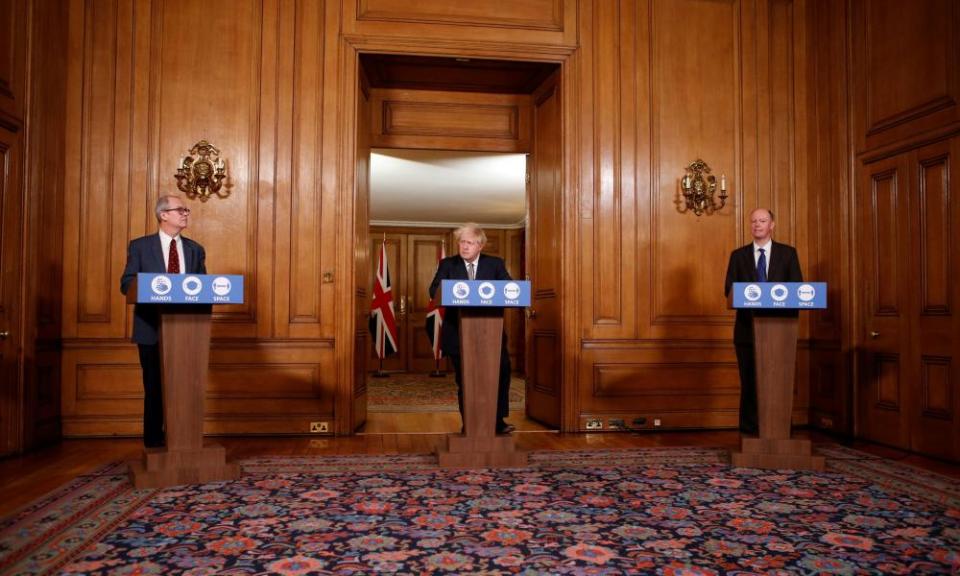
point(347, 330)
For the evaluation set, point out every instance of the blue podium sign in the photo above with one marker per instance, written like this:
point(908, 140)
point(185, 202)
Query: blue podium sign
point(189, 288)
point(773, 295)
point(502, 293)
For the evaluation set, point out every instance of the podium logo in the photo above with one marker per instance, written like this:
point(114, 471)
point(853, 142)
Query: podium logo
point(779, 292)
point(806, 292)
point(192, 285)
point(221, 286)
point(752, 292)
point(486, 290)
point(511, 290)
point(461, 290)
point(161, 285)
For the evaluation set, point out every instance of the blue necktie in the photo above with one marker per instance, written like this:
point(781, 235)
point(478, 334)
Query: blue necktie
point(762, 266)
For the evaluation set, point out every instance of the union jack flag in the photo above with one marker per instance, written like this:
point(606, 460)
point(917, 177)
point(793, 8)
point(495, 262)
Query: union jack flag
point(383, 322)
point(435, 317)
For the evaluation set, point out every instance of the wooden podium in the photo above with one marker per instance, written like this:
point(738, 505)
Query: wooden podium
point(775, 354)
point(481, 334)
point(185, 353)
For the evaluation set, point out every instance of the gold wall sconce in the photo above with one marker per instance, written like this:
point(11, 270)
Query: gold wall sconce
point(201, 174)
point(698, 187)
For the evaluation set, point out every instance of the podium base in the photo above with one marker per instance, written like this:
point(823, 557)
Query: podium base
point(495, 452)
point(785, 454)
point(161, 468)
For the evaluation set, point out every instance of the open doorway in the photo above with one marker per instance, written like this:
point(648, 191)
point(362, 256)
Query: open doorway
point(423, 119)
point(417, 199)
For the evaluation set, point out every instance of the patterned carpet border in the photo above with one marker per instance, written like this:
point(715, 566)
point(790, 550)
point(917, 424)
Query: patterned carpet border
point(894, 475)
point(682, 456)
point(51, 534)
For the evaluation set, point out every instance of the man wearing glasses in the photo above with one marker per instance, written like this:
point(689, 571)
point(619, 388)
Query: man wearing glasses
point(166, 251)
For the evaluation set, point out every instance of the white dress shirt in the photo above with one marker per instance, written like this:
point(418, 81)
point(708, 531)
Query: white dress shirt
point(165, 243)
point(767, 250)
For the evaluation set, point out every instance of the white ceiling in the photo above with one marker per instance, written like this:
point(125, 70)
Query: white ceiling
point(444, 188)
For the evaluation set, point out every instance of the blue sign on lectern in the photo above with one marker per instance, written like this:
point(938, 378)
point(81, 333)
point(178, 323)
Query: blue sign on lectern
point(189, 288)
point(502, 293)
point(787, 295)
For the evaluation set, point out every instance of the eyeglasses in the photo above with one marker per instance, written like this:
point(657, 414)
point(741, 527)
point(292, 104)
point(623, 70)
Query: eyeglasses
point(181, 211)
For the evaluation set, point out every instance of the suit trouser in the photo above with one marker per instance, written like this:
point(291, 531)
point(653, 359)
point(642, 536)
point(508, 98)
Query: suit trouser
point(748, 388)
point(503, 386)
point(152, 394)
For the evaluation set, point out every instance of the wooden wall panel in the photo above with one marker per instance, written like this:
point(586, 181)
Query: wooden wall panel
point(142, 87)
point(936, 265)
point(43, 230)
point(540, 22)
point(13, 64)
point(652, 276)
point(692, 122)
point(643, 382)
point(907, 78)
point(305, 206)
point(828, 170)
point(612, 238)
point(450, 120)
point(102, 389)
point(237, 112)
point(103, 58)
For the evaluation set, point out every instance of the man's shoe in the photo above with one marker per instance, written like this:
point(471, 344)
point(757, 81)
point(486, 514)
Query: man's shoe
point(505, 428)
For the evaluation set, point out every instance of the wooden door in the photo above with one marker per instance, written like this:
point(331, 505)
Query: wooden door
point(423, 251)
point(935, 380)
point(883, 403)
point(11, 270)
point(412, 261)
point(544, 237)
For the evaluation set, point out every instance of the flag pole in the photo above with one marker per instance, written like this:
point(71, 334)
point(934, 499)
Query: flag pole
point(437, 372)
point(380, 373)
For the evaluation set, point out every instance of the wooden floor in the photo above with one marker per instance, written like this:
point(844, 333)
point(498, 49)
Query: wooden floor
point(25, 478)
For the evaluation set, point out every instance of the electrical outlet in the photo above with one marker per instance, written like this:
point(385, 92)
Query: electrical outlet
point(656, 422)
point(616, 423)
point(640, 421)
point(594, 424)
point(319, 427)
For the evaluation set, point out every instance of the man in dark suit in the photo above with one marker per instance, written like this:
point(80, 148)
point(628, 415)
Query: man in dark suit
point(166, 251)
point(470, 264)
point(763, 260)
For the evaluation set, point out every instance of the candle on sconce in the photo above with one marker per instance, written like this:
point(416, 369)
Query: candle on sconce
point(723, 182)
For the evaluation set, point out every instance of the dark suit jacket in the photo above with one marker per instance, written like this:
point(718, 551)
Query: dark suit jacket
point(145, 254)
point(784, 267)
point(454, 268)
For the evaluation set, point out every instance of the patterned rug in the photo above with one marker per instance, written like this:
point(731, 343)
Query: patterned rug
point(407, 392)
point(664, 511)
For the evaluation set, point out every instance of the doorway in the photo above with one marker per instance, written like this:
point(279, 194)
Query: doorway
point(418, 107)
